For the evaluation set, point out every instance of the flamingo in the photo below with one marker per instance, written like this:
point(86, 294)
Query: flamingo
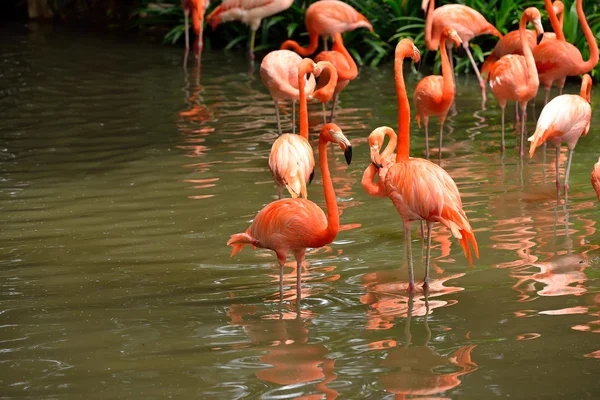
point(511, 42)
point(418, 188)
point(279, 73)
point(466, 21)
point(291, 160)
point(326, 18)
point(434, 93)
point(294, 224)
point(514, 77)
point(196, 8)
point(564, 119)
point(557, 59)
point(384, 159)
point(250, 12)
point(344, 64)
point(596, 178)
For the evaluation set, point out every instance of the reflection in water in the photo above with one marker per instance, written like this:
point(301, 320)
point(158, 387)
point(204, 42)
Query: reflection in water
point(420, 370)
point(289, 360)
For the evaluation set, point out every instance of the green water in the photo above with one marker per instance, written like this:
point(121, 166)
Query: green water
point(123, 175)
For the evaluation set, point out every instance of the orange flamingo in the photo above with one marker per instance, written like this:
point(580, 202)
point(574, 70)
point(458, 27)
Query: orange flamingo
point(434, 93)
point(344, 64)
point(418, 188)
point(511, 42)
point(557, 59)
point(250, 12)
point(596, 178)
point(295, 224)
point(385, 161)
point(196, 8)
point(279, 73)
point(291, 160)
point(514, 77)
point(326, 18)
point(464, 20)
point(564, 119)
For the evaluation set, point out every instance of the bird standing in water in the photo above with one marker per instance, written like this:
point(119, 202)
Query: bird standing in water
point(326, 18)
point(418, 188)
point(250, 12)
point(564, 119)
point(195, 9)
point(293, 225)
point(434, 94)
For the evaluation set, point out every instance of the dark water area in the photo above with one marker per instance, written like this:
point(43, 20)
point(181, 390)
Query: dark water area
point(122, 175)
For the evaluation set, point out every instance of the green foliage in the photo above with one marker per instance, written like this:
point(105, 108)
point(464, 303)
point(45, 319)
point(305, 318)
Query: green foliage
point(392, 20)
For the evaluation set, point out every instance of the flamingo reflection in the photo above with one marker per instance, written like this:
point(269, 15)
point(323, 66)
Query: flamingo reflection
point(290, 360)
point(420, 370)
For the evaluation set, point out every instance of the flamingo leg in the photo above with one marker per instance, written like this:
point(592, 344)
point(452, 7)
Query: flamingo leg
point(200, 40)
point(324, 112)
point(441, 133)
point(451, 59)
point(411, 275)
point(502, 142)
point(280, 192)
point(523, 120)
point(568, 171)
point(325, 43)
point(426, 123)
point(547, 89)
point(335, 97)
point(293, 116)
point(299, 259)
point(277, 115)
point(557, 172)
point(252, 45)
point(186, 15)
point(428, 259)
point(481, 83)
point(516, 113)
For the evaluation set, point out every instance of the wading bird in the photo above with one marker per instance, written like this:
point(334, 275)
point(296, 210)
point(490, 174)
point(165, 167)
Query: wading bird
point(250, 12)
point(557, 59)
point(196, 9)
point(279, 73)
point(466, 21)
point(291, 160)
point(292, 225)
point(596, 178)
point(385, 160)
point(514, 77)
point(418, 188)
point(434, 94)
point(326, 18)
point(344, 64)
point(564, 119)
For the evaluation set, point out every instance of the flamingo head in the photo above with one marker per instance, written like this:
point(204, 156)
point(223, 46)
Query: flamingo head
point(424, 5)
point(406, 48)
point(558, 7)
point(534, 16)
point(376, 139)
point(333, 133)
point(452, 35)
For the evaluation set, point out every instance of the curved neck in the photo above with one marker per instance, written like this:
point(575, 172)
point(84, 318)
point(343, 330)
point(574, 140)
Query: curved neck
point(333, 218)
point(391, 146)
point(403, 110)
point(302, 71)
point(352, 71)
point(369, 185)
point(586, 88)
point(556, 25)
point(325, 93)
point(532, 75)
point(305, 52)
point(448, 89)
point(429, 23)
point(589, 37)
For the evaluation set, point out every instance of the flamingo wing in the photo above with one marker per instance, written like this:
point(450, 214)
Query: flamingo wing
point(509, 77)
point(466, 21)
point(279, 73)
point(327, 17)
point(428, 96)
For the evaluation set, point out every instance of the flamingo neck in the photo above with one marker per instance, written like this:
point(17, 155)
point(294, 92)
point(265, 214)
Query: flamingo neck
point(352, 71)
point(589, 37)
point(325, 93)
point(448, 89)
point(403, 111)
point(369, 185)
point(304, 52)
point(302, 71)
point(333, 218)
point(429, 25)
point(533, 80)
point(586, 88)
point(391, 146)
point(556, 24)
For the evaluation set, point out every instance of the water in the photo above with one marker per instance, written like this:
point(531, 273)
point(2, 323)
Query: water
point(123, 178)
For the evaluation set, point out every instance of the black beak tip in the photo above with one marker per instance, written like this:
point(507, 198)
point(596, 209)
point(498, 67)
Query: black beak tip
point(419, 64)
point(348, 154)
point(539, 38)
point(377, 165)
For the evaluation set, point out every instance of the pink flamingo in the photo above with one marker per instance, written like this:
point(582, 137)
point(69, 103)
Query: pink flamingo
point(250, 12)
point(511, 42)
point(464, 20)
point(418, 188)
point(514, 77)
point(295, 224)
point(596, 178)
point(434, 94)
point(279, 73)
point(384, 159)
point(344, 64)
point(564, 119)
point(291, 160)
point(197, 9)
point(326, 18)
point(557, 59)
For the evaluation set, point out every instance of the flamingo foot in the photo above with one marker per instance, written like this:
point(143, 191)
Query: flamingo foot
point(426, 284)
point(411, 287)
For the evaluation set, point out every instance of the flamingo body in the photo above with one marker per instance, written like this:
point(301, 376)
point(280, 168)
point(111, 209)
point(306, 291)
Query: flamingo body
point(596, 178)
point(194, 9)
point(292, 163)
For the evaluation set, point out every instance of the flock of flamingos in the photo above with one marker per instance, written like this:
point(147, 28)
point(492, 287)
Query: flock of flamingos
point(419, 189)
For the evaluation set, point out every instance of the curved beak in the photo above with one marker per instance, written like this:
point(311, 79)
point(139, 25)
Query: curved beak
point(348, 154)
point(417, 57)
point(344, 145)
point(537, 23)
point(376, 157)
point(456, 39)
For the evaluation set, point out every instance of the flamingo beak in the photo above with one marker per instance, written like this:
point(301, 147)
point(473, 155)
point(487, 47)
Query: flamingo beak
point(375, 157)
point(537, 23)
point(348, 154)
point(344, 144)
point(417, 57)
